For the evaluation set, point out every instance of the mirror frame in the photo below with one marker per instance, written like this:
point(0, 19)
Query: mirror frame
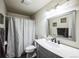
point(73, 24)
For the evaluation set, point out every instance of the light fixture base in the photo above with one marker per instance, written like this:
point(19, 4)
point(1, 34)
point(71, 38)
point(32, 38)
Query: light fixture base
point(27, 2)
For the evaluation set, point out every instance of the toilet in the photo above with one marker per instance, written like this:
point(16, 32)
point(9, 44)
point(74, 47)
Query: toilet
point(29, 50)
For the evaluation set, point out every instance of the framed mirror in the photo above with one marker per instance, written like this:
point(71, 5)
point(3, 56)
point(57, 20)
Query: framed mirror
point(63, 26)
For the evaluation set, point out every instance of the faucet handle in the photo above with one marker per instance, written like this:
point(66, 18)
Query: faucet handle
point(55, 40)
point(58, 42)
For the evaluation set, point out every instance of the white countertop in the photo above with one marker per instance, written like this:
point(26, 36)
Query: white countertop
point(59, 49)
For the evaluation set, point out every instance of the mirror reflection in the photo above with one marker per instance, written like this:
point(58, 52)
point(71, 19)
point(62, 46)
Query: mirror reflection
point(63, 26)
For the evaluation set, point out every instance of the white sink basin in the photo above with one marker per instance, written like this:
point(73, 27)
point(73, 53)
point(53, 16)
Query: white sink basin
point(52, 44)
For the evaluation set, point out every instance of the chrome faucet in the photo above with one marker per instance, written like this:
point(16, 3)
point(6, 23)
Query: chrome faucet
point(56, 41)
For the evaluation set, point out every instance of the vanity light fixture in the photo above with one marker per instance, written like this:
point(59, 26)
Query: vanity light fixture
point(27, 2)
point(56, 6)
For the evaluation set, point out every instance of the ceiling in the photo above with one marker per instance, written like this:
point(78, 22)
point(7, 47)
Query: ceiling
point(17, 7)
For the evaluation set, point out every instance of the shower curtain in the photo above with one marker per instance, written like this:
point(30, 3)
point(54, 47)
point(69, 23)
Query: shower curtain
point(2, 53)
point(10, 47)
point(28, 32)
point(20, 35)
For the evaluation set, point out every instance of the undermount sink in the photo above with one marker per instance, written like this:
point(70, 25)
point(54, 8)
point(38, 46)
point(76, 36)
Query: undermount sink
point(53, 45)
point(50, 43)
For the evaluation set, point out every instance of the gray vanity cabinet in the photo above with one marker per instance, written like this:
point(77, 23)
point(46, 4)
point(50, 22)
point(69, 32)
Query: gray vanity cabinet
point(43, 53)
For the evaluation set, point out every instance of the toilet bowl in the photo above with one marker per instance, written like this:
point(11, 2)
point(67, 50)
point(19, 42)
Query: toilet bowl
point(30, 49)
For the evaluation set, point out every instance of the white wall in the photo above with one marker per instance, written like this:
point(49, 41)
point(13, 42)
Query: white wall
point(43, 15)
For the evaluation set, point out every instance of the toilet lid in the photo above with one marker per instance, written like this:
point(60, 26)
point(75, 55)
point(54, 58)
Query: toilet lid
point(30, 47)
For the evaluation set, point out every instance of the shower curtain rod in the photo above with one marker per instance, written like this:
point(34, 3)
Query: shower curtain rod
point(18, 15)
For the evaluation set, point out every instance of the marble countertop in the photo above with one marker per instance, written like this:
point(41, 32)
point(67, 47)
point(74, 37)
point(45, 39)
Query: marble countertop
point(59, 49)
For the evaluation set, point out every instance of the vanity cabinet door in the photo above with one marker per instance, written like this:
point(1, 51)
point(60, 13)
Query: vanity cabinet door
point(43, 53)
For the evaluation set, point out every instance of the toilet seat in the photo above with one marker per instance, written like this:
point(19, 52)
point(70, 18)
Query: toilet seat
point(30, 49)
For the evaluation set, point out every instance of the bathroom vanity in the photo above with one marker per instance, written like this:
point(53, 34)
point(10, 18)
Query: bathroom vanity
point(49, 49)
point(44, 53)
point(61, 28)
